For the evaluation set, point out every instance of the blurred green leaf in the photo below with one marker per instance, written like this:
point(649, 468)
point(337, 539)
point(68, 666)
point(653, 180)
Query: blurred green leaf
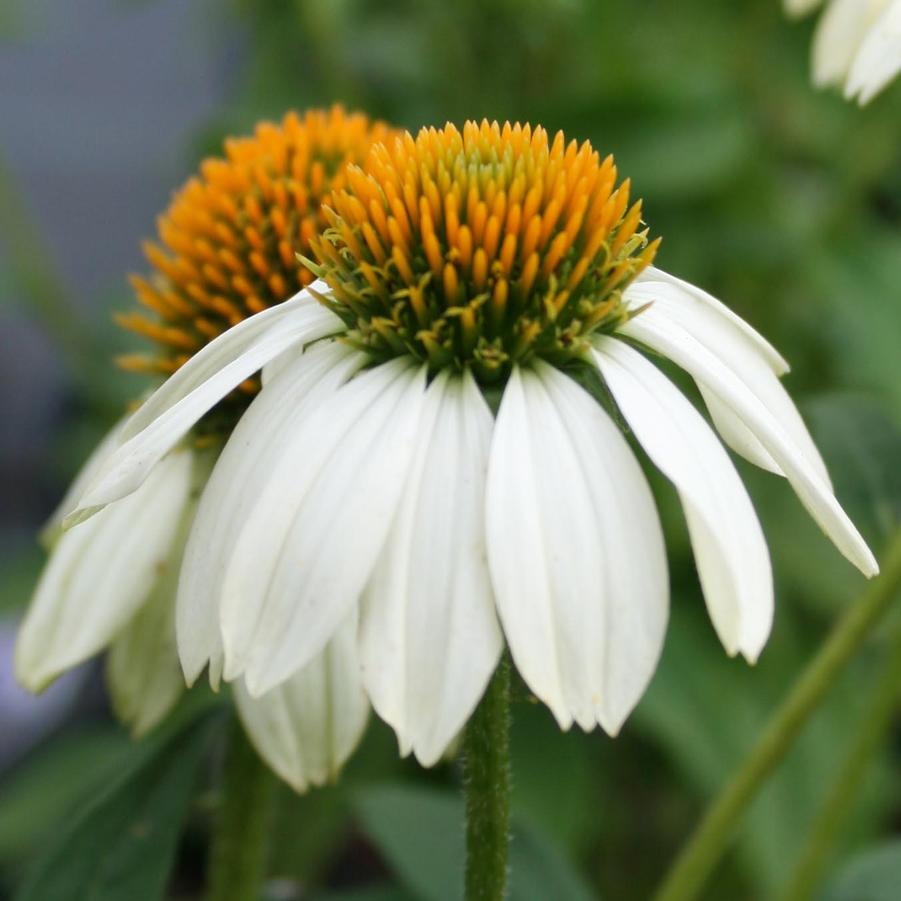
point(122, 844)
point(704, 149)
point(421, 834)
point(41, 791)
point(874, 875)
point(857, 283)
point(559, 804)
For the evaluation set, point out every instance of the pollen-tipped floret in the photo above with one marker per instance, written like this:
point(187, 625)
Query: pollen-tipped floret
point(481, 248)
point(228, 241)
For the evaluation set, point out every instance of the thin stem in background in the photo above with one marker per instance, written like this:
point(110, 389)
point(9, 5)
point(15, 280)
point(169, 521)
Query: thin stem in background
point(816, 855)
point(712, 837)
point(239, 848)
point(486, 777)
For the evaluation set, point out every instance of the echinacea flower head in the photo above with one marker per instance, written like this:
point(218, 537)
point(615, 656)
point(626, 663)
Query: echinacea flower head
point(857, 44)
point(435, 463)
point(228, 241)
point(481, 250)
point(226, 251)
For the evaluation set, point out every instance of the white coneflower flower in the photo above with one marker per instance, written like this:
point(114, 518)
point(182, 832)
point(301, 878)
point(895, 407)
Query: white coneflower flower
point(371, 477)
point(857, 44)
point(229, 236)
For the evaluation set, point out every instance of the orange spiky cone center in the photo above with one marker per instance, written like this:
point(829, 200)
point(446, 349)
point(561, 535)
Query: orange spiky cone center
point(481, 248)
point(228, 243)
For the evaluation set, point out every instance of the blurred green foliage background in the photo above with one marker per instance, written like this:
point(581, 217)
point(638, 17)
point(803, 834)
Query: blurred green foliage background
point(783, 201)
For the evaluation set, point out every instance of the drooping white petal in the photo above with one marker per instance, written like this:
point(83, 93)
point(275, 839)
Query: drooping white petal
point(308, 547)
point(693, 296)
point(730, 550)
point(199, 385)
point(668, 339)
point(143, 675)
point(672, 303)
point(839, 33)
point(878, 59)
point(239, 477)
point(429, 635)
point(100, 573)
point(308, 726)
point(575, 551)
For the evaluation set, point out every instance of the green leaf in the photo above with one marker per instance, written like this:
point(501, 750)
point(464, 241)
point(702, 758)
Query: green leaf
point(560, 804)
point(40, 791)
point(874, 875)
point(122, 844)
point(420, 832)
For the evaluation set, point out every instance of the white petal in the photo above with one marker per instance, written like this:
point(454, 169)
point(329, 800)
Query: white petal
point(429, 634)
point(730, 550)
point(668, 339)
point(99, 574)
point(575, 551)
point(697, 297)
point(142, 671)
point(729, 344)
point(308, 547)
point(838, 36)
point(878, 59)
point(143, 674)
point(164, 419)
point(240, 474)
point(307, 727)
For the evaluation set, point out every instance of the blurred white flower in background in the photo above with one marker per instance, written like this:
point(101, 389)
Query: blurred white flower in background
point(857, 44)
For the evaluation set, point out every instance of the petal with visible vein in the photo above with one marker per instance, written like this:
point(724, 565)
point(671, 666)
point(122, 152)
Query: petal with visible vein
point(100, 573)
point(429, 634)
point(668, 339)
point(166, 417)
point(307, 727)
point(721, 337)
point(575, 551)
point(730, 550)
point(309, 545)
point(240, 475)
point(701, 298)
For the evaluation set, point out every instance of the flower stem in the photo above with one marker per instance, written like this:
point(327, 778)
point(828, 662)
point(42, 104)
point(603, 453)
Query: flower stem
point(711, 838)
point(874, 725)
point(486, 778)
point(240, 838)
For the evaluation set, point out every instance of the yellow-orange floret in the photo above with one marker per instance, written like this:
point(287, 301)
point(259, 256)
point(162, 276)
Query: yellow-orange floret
point(228, 242)
point(481, 248)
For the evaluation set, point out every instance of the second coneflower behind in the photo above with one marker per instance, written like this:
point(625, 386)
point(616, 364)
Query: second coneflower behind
point(857, 44)
point(227, 250)
point(435, 449)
